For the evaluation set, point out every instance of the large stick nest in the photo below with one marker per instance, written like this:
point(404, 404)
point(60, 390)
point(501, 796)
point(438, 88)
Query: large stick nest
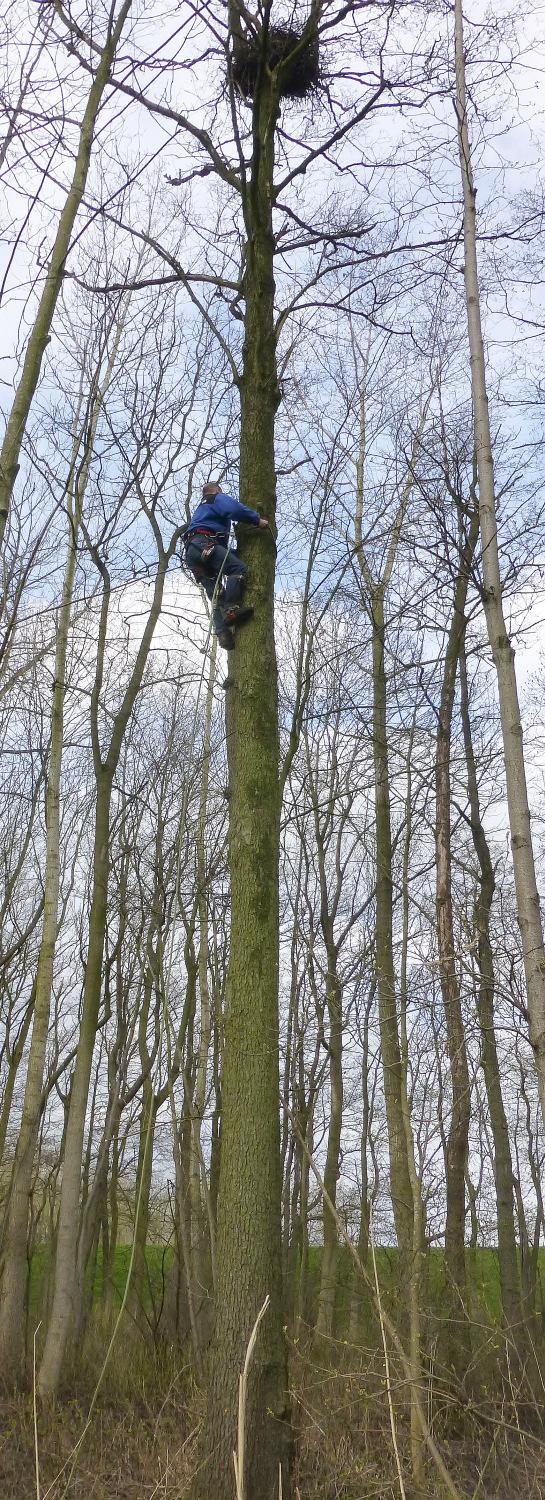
point(301, 76)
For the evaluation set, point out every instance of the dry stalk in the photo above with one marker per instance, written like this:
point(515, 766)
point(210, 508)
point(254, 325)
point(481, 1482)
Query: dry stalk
point(35, 1411)
point(238, 1455)
point(386, 1362)
point(389, 1326)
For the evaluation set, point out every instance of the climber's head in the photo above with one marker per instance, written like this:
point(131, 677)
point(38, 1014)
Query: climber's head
point(209, 491)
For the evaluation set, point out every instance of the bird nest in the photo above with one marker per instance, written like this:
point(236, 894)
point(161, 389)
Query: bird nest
point(301, 75)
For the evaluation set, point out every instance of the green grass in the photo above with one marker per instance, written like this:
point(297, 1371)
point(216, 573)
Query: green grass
point(483, 1277)
point(483, 1272)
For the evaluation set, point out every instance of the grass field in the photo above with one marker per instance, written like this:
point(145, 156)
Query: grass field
point(483, 1272)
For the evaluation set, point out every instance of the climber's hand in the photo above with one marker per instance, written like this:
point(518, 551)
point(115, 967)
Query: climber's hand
point(263, 524)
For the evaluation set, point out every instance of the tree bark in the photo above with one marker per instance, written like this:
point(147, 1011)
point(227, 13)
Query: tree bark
point(503, 1168)
point(201, 1213)
point(456, 1326)
point(400, 1183)
point(527, 897)
point(325, 1321)
point(249, 1256)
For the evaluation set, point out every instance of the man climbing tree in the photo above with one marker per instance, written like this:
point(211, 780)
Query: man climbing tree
point(268, 67)
point(221, 572)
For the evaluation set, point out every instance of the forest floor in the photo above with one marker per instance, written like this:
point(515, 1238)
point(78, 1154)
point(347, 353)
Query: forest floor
point(141, 1443)
point(136, 1452)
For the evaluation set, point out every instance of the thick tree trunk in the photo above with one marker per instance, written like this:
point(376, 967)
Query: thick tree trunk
point(41, 330)
point(527, 897)
point(248, 1233)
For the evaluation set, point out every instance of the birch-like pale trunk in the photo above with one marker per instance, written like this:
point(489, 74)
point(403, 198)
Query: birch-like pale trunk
point(527, 897)
point(41, 329)
point(512, 1309)
point(418, 1256)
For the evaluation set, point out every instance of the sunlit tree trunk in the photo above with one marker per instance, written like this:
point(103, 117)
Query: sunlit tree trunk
point(503, 1169)
point(527, 897)
point(418, 1247)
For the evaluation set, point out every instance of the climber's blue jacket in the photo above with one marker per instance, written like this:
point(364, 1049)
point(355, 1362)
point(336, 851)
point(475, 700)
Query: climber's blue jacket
point(216, 515)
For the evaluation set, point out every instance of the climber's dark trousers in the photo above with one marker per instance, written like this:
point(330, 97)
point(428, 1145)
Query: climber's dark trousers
point(233, 575)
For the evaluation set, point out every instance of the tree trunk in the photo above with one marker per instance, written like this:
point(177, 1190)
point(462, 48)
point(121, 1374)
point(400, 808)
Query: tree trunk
point(14, 1062)
point(142, 1190)
point(325, 1322)
point(60, 1322)
point(503, 1169)
point(41, 329)
point(417, 1263)
point(527, 898)
point(250, 1183)
point(456, 1326)
point(400, 1183)
point(201, 1213)
point(12, 1297)
point(360, 1301)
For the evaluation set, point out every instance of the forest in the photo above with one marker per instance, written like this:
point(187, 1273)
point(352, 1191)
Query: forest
point(272, 962)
